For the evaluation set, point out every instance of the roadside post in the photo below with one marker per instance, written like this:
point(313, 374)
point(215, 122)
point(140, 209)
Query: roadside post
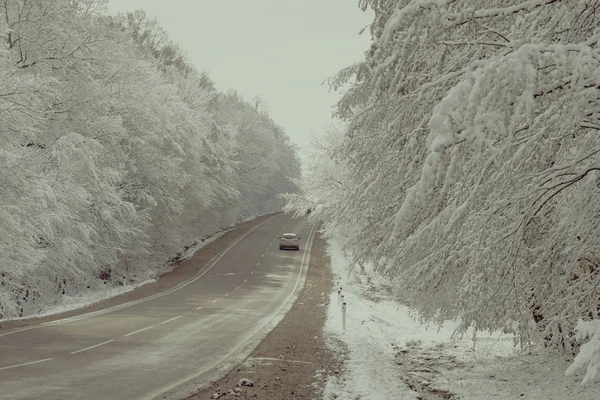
point(344, 316)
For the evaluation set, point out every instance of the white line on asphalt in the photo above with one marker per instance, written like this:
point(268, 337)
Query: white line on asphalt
point(251, 272)
point(245, 280)
point(132, 303)
point(91, 347)
point(140, 330)
point(169, 320)
point(263, 255)
point(226, 294)
point(257, 264)
point(236, 288)
point(27, 363)
point(215, 300)
point(199, 308)
point(166, 389)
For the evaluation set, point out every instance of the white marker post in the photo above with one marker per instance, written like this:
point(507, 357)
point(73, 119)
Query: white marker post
point(343, 302)
point(344, 316)
point(339, 298)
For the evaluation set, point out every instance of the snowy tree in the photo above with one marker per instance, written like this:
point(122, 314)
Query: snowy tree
point(265, 158)
point(325, 183)
point(81, 224)
point(472, 143)
point(116, 152)
point(152, 38)
point(23, 97)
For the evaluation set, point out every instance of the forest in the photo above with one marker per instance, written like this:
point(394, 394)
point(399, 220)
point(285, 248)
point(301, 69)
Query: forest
point(116, 153)
point(465, 167)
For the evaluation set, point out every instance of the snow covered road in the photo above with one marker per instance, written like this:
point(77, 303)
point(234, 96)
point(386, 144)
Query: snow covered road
point(148, 348)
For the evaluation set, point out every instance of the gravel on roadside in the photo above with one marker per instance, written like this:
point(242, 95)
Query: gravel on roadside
point(293, 360)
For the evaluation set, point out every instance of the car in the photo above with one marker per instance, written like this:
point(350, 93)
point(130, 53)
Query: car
point(289, 241)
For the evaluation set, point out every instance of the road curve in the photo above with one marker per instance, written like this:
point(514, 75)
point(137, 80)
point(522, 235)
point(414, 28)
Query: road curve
point(146, 348)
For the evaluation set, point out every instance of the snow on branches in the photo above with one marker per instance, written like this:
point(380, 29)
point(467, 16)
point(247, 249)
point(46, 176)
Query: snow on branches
point(115, 153)
point(474, 153)
point(590, 352)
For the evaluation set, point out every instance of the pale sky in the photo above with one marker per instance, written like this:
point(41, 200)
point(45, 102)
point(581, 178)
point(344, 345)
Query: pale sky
point(281, 50)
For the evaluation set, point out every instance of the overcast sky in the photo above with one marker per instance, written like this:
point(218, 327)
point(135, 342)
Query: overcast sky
point(281, 50)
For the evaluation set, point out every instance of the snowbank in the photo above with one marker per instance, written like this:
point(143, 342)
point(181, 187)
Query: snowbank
point(390, 355)
point(190, 251)
point(81, 300)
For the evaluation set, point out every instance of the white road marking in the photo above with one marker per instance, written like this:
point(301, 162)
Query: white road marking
point(215, 300)
point(263, 255)
point(101, 312)
point(226, 294)
point(169, 320)
point(236, 288)
point(140, 330)
point(251, 272)
point(91, 347)
point(145, 299)
point(27, 363)
point(257, 264)
point(166, 389)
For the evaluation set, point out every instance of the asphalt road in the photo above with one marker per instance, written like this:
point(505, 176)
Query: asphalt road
point(143, 349)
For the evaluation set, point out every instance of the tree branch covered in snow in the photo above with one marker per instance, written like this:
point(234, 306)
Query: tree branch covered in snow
point(115, 152)
point(473, 154)
point(590, 352)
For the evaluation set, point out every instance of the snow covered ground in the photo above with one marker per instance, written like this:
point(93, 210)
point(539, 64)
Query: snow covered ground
point(391, 356)
point(76, 301)
point(80, 300)
point(200, 243)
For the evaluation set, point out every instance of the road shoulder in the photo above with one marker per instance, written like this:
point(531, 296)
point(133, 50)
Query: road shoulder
point(293, 359)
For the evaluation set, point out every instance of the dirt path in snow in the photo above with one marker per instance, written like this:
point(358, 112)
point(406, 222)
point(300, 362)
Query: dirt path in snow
point(293, 360)
point(181, 272)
